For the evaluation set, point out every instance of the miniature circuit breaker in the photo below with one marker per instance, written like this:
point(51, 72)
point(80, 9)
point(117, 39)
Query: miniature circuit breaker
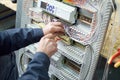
point(85, 23)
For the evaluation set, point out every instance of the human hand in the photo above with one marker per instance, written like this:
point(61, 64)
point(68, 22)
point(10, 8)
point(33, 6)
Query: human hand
point(48, 45)
point(53, 27)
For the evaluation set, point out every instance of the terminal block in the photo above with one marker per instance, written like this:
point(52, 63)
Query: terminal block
point(66, 39)
point(72, 65)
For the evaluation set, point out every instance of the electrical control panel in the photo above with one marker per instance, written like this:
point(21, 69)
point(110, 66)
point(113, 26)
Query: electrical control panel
point(85, 23)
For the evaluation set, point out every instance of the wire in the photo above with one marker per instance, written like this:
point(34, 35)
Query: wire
point(92, 5)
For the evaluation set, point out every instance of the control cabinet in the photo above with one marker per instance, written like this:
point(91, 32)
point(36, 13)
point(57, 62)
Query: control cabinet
point(85, 23)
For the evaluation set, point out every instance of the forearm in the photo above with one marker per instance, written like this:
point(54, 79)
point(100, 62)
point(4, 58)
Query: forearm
point(13, 39)
point(37, 68)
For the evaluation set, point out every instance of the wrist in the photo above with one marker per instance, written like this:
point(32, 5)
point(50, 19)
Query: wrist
point(44, 31)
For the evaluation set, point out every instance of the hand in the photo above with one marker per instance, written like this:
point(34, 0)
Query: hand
point(53, 27)
point(47, 45)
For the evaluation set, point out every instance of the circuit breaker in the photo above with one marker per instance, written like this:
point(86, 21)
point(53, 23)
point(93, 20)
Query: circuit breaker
point(85, 23)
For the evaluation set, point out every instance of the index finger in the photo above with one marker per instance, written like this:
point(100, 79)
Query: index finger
point(50, 36)
point(57, 23)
